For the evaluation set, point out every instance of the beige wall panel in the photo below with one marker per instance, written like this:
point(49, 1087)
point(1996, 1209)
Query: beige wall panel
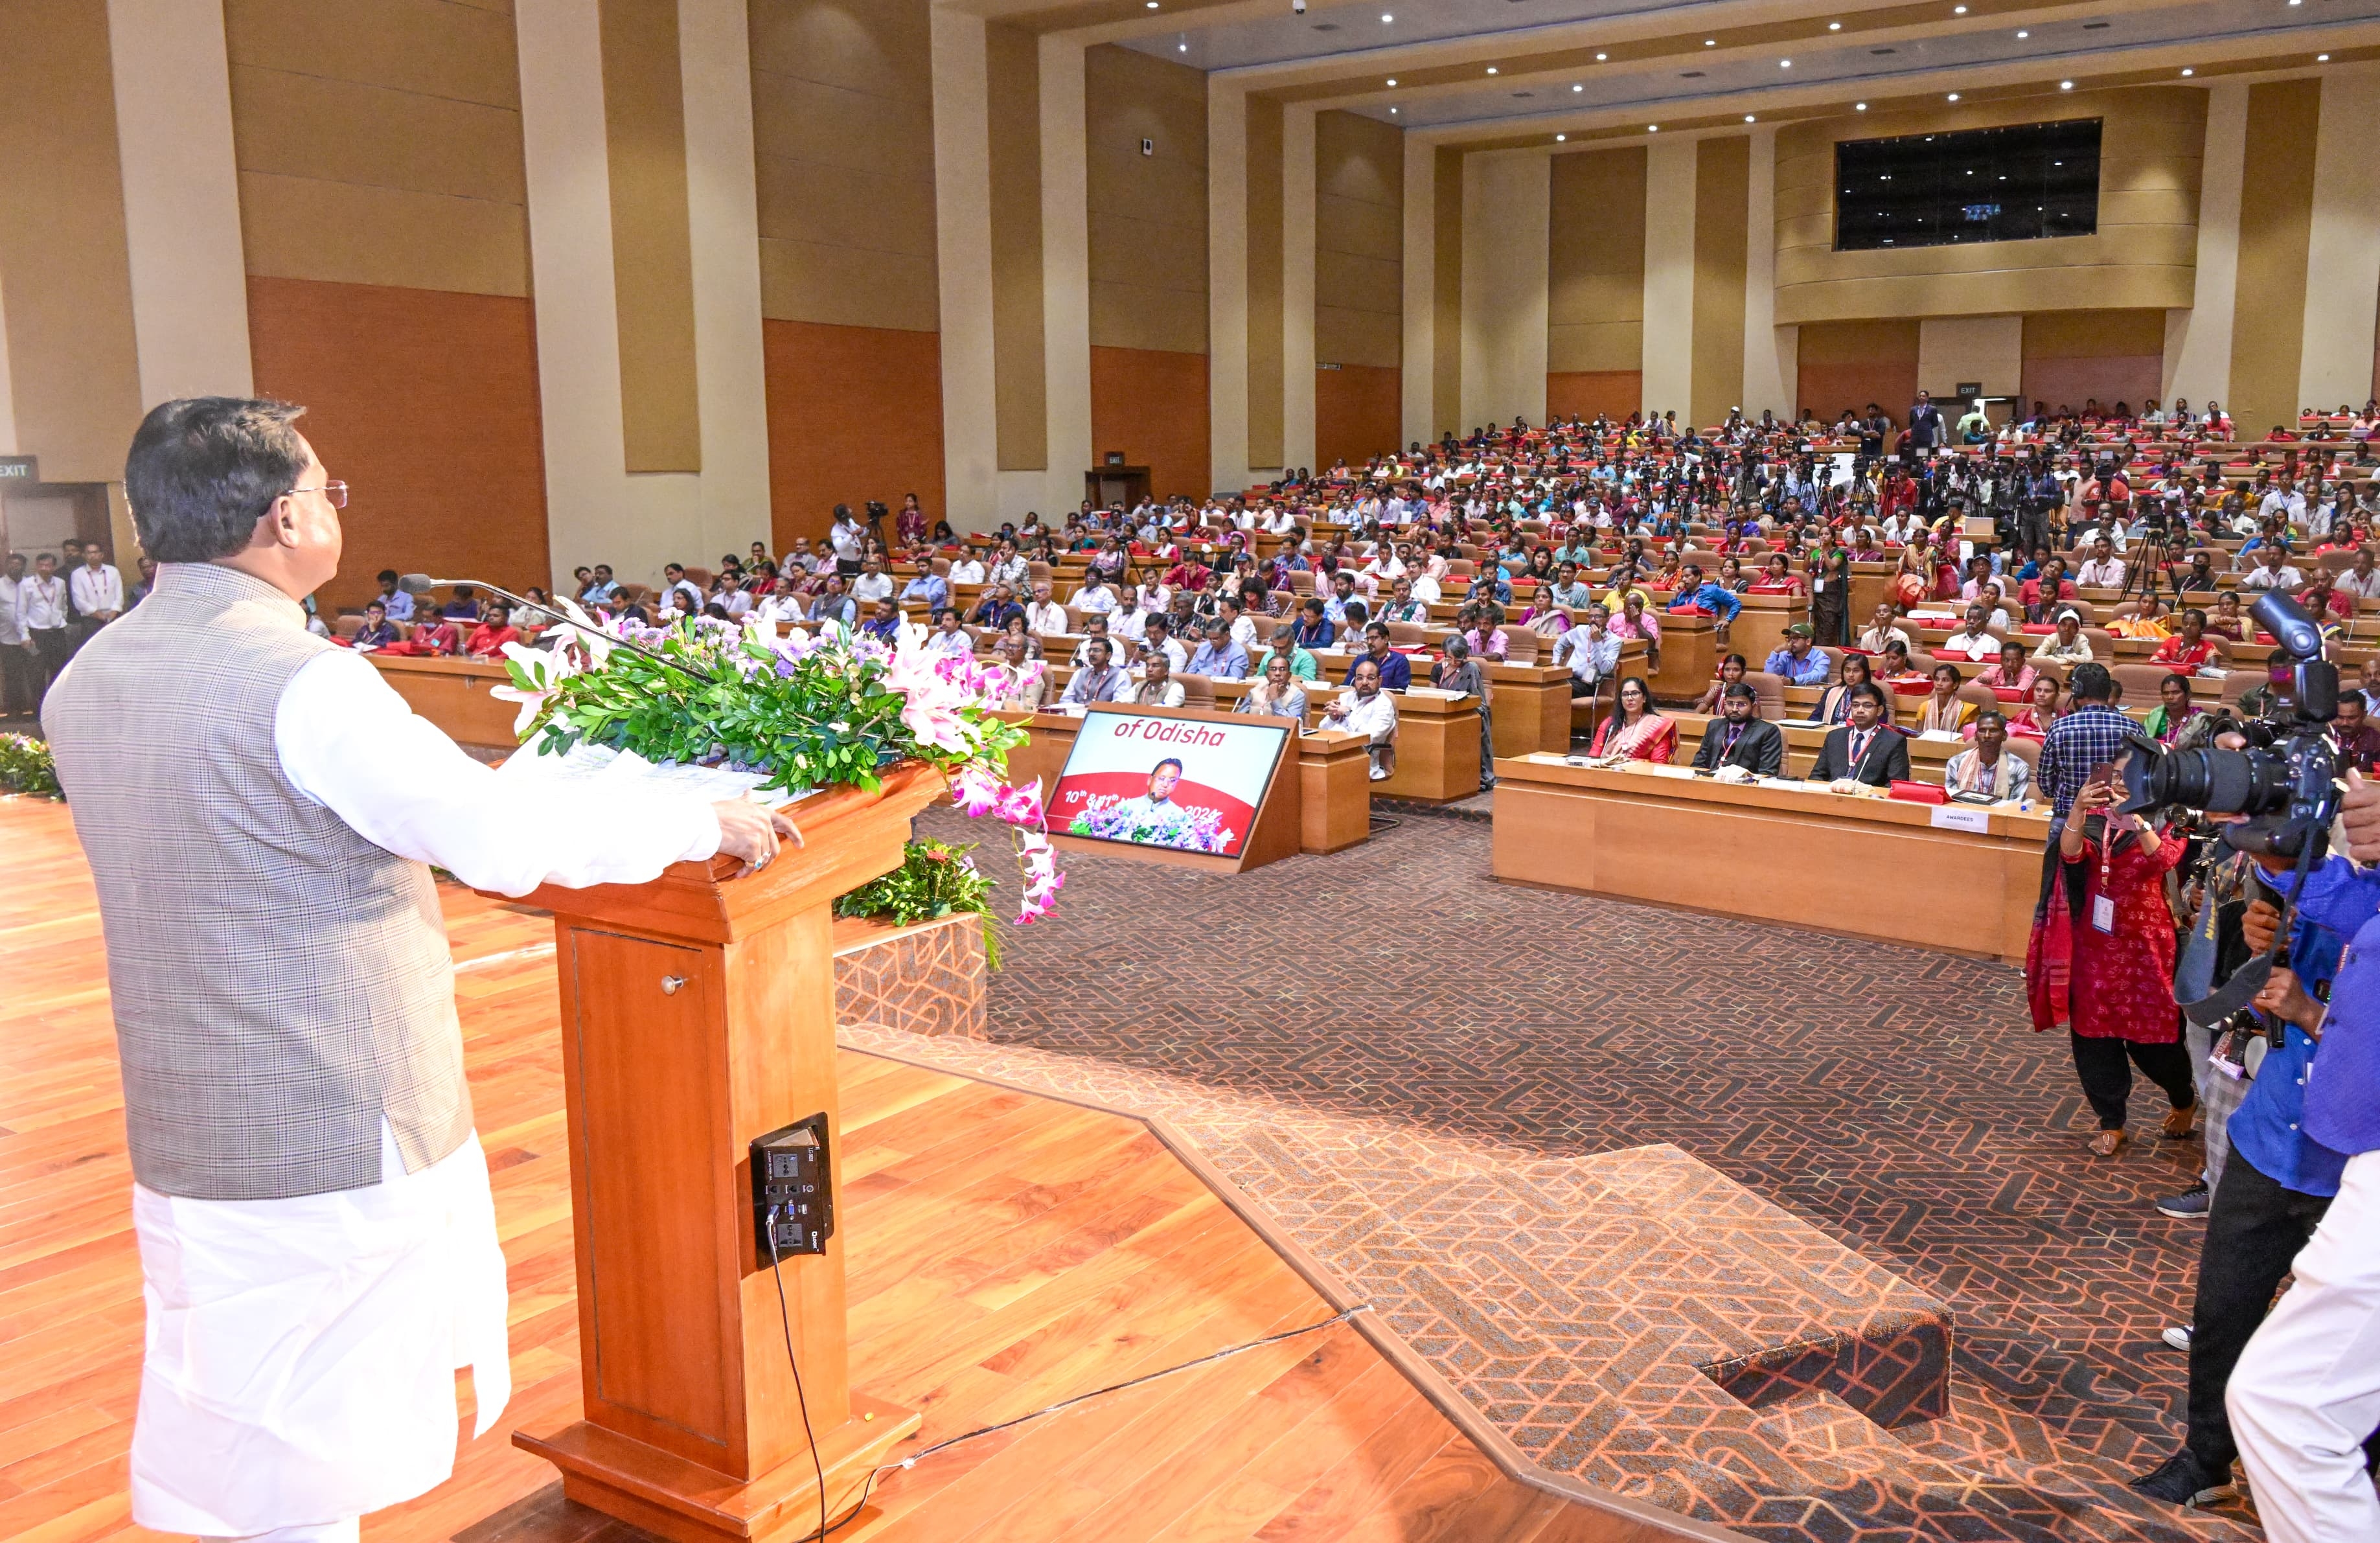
point(1575, 347)
point(429, 46)
point(2095, 335)
point(2142, 255)
point(845, 286)
point(1136, 316)
point(847, 206)
point(1344, 337)
point(1151, 188)
point(1344, 224)
point(74, 372)
point(296, 228)
point(1446, 331)
point(879, 48)
point(1012, 113)
point(1359, 159)
point(1596, 255)
point(1358, 282)
point(351, 131)
point(806, 120)
point(1266, 399)
point(2275, 238)
point(842, 127)
point(1722, 187)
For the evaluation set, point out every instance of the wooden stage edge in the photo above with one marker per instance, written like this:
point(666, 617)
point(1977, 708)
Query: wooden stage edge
point(1644, 1522)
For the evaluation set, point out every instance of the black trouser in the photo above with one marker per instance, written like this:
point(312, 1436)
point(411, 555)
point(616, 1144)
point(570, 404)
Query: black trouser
point(52, 646)
point(2106, 1075)
point(19, 666)
point(2253, 1229)
point(1582, 687)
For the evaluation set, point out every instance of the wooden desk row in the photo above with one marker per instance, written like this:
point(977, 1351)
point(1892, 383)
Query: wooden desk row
point(1870, 868)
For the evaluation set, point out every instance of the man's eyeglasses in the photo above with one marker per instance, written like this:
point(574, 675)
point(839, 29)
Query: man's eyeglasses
point(336, 491)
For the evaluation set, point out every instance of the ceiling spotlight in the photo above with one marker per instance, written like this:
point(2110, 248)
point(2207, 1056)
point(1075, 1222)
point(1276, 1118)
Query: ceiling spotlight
point(1747, 118)
point(1184, 45)
point(2322, 58)
point(1957, 10)
point(1561, 138)
point(2021, 32)
point(1392, 109)
point(1491, 69)
point(1954, 96)
point(1578, 88)
point(1834, 25)
point(2066, 85)
point(1152, 5)
point(1784, 64)
point(1710, 43)
point(2187, 73)
point(1386, 17)
point(1600, 58)
point(1859, 107)
point(1392, 79)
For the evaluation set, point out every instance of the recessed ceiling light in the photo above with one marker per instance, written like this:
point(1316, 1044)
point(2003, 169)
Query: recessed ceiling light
point(1561, 138)
point(1578, 88)
point(1834, 25)
point(1386, 17)
point(1392, 79)
point(1710, 43)
point(2188, 72)
point(1859, 107)
point(1784, 64)
point(1152, 5)
point(2322, 58)
point(2023, 33)
point(1957, 10)
point(1600, 58)
point(1747, 118)
point(2066, 85)
point(1392, 109)
point(1491, 69)
point(1652, 129)
point(1954, 96)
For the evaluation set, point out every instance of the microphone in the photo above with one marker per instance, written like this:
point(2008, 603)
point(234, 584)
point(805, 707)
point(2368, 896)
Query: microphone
point(421, 584)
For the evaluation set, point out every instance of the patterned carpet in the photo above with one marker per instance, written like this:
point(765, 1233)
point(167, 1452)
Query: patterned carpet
point(1413, 1068)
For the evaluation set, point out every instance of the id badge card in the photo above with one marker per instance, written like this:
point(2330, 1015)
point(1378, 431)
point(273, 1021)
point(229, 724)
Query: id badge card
point(2103, 913)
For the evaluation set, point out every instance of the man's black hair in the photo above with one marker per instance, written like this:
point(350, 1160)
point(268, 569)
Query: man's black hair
point(204, 469)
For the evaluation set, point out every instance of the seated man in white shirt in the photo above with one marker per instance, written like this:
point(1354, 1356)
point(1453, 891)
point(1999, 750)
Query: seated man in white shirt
point(1158, 688)
point(2102, 569)
point(873, 583)
point(2272, 572)
point(1095, 597)
point(1044, 616)
point(1972, 641)
point(949, 636)
point(967, 568)
point(1367, 710)
point(1157, 636)
point(1591, 651)
point(1881, 630)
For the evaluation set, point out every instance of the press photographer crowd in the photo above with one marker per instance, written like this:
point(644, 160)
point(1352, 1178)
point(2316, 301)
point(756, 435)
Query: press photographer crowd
point(2225, 877)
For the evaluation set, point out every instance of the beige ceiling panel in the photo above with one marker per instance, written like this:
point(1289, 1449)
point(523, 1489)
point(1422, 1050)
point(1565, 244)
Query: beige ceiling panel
point(429, 47)
point(289, 124)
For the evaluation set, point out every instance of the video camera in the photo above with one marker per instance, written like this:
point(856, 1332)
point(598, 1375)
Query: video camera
point(2287, 781)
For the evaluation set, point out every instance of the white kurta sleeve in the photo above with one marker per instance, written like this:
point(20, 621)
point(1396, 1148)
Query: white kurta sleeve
point(346, 740)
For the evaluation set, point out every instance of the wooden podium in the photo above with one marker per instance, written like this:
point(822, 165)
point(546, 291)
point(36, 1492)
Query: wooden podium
point(698, 1011)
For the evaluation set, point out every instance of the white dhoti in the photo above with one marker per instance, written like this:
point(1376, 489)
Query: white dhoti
point(301, 1353)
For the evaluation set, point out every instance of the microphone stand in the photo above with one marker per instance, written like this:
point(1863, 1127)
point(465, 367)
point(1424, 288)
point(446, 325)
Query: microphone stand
point(661, 659)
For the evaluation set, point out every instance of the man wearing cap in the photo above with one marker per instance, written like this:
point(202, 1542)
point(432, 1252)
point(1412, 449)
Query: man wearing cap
point(1797, 662)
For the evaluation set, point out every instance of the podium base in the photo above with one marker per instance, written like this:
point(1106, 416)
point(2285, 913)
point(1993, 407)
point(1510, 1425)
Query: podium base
point(686, 1503)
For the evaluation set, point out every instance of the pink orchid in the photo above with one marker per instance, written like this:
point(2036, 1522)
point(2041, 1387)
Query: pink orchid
point(976, 791)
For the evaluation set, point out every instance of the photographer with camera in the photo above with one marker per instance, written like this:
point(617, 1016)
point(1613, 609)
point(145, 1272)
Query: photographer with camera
point(2280, 1177)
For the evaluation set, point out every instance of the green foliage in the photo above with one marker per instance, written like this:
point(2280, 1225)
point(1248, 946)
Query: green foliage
point(26, 766)
point(935, 880)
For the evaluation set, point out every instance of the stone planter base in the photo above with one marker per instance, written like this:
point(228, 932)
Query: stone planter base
point(924, 979)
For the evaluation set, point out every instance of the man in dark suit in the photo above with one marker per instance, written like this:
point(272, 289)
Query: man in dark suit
point(1925, 423)
point(1739, 738)
point(1867, 749)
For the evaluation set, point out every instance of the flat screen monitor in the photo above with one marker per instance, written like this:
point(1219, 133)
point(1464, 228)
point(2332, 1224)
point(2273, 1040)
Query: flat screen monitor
point(2024, 182)
point(1191, 784)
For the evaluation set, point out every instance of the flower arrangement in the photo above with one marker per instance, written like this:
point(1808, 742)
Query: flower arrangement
point(1184, 829)
point(935, 880)
point(808, 709)
point(26, 766)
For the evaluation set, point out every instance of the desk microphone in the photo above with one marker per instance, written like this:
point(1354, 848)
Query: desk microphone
point(421, 584)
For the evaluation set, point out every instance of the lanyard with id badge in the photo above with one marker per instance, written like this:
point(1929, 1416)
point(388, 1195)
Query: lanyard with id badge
point(2103, 905)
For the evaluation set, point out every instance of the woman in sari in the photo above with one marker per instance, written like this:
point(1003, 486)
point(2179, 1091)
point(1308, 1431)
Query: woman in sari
point(1634, 731)
point(2229, 619)
point(2101, 962)
point(2040, 710)
point(1915, 581)
point(1834, 707)
point(1730, 670)
point(1945, 711)
point(1778, 576)
point(2174, 712)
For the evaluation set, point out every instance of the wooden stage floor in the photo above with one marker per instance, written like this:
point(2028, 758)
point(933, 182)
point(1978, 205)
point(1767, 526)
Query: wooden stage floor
point(1005, 1252)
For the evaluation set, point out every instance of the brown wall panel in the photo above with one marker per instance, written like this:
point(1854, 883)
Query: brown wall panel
point(854, 413)
point(2276, 233)
point(1357, 408)
point(1446, 294)
point(1594, 268)
point(1722, 187)
point(62, 245)
point(1266, 315)
point(1358, 245)
point(652, 239)
point(1586, 393)
point(2143, 256)
point(379, 142)
point(1148, 212)
point(1019, 379)
point(1850, 364)
point(843, 121)
point(1151, 405)
point(440, 438)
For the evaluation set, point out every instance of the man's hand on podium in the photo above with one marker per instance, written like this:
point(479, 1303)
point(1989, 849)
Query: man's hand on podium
point(751, 832)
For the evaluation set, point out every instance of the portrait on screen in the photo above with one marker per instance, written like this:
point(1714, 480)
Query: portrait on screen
point(1166, 782)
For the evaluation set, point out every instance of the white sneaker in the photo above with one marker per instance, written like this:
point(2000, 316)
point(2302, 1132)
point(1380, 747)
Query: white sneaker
point(1378, 775)
point(2177, 1336)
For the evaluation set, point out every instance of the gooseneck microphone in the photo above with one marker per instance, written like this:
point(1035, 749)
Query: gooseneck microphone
point(421, 584)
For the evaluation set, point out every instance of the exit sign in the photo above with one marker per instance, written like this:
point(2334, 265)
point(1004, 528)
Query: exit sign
point(20, 468)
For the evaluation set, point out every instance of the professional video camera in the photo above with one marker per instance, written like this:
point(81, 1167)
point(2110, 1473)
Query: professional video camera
point(2287, 781)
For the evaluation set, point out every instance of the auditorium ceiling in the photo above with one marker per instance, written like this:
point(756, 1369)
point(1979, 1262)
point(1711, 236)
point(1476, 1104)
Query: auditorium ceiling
point(1484, 73)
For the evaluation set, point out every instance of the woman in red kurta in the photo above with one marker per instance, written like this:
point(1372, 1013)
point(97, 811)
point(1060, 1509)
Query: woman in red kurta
point(2101, 962)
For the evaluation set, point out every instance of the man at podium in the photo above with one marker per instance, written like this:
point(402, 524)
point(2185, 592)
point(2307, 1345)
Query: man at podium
point(318, 1243)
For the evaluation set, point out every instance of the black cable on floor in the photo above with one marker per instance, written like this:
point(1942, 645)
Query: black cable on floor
point(785, 1317)
point(868, 1487)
